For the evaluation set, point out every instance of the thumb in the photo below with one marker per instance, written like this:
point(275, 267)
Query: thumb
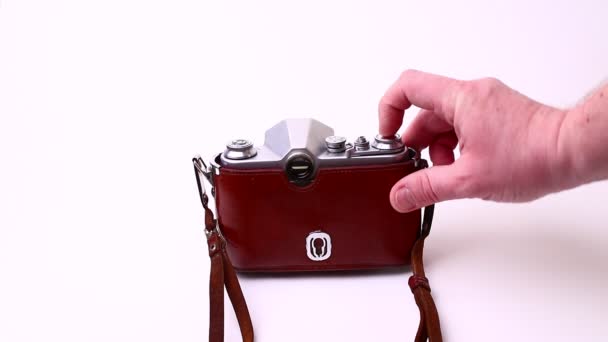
point(428, 186)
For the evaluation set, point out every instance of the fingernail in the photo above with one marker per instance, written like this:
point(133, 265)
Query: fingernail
point(405, 200)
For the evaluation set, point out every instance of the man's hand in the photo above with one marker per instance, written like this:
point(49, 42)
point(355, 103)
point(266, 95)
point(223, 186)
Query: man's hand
point(510, 148)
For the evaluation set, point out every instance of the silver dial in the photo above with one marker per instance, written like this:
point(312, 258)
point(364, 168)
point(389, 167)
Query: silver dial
point(361, 144)
point(335, 144)
point(240, 149)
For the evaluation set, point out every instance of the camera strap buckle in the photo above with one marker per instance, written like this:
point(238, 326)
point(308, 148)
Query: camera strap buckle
point(200, 171)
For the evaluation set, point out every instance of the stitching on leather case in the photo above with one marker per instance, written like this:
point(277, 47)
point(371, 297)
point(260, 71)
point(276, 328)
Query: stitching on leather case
point(312, 269)
point(321, 175)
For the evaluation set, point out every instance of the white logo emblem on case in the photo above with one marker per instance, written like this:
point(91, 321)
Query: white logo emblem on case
point(318, 246)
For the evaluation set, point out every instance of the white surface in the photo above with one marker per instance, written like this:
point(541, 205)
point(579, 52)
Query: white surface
point(103, 103)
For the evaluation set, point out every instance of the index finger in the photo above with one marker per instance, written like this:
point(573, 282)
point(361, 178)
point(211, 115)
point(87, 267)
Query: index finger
point(428, 91)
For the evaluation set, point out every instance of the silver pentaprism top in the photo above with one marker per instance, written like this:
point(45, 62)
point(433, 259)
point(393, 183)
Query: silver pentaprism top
point(314, 141)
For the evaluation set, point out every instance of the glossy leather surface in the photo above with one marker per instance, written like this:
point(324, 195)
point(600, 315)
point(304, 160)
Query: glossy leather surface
point(266, 219)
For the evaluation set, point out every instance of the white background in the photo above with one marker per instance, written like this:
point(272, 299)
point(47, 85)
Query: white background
point(103, 103)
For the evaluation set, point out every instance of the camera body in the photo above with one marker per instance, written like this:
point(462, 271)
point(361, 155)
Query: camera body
point(308, 200)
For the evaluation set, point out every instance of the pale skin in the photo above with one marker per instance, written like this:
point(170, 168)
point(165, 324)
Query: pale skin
point(512, 148)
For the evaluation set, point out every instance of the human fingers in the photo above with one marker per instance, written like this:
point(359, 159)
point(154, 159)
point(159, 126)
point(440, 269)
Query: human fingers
point(426, 127)
point(424, 90)
point(431, 185)
point(442, 149)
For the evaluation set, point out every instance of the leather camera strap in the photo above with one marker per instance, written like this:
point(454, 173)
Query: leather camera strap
point(429, 328)
point(223, 275)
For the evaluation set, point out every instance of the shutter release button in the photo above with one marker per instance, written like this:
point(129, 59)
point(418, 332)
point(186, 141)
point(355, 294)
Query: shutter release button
point(391, 143)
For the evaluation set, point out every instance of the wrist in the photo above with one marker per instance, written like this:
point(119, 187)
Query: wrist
point(571, 162)
point(583, 140)
point(555, 158)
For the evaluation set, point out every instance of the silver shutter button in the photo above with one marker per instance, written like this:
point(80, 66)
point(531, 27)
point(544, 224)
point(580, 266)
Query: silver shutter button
point(392, 143)
point(240, 149)
point(335, 144)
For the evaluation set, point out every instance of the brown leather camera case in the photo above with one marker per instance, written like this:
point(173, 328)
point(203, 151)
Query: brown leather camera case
point(266, 224)
point(265, 219)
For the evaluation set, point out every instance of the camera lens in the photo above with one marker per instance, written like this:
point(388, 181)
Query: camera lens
point(299, 168)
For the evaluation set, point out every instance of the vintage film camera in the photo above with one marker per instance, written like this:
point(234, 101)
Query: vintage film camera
point(309, 200)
